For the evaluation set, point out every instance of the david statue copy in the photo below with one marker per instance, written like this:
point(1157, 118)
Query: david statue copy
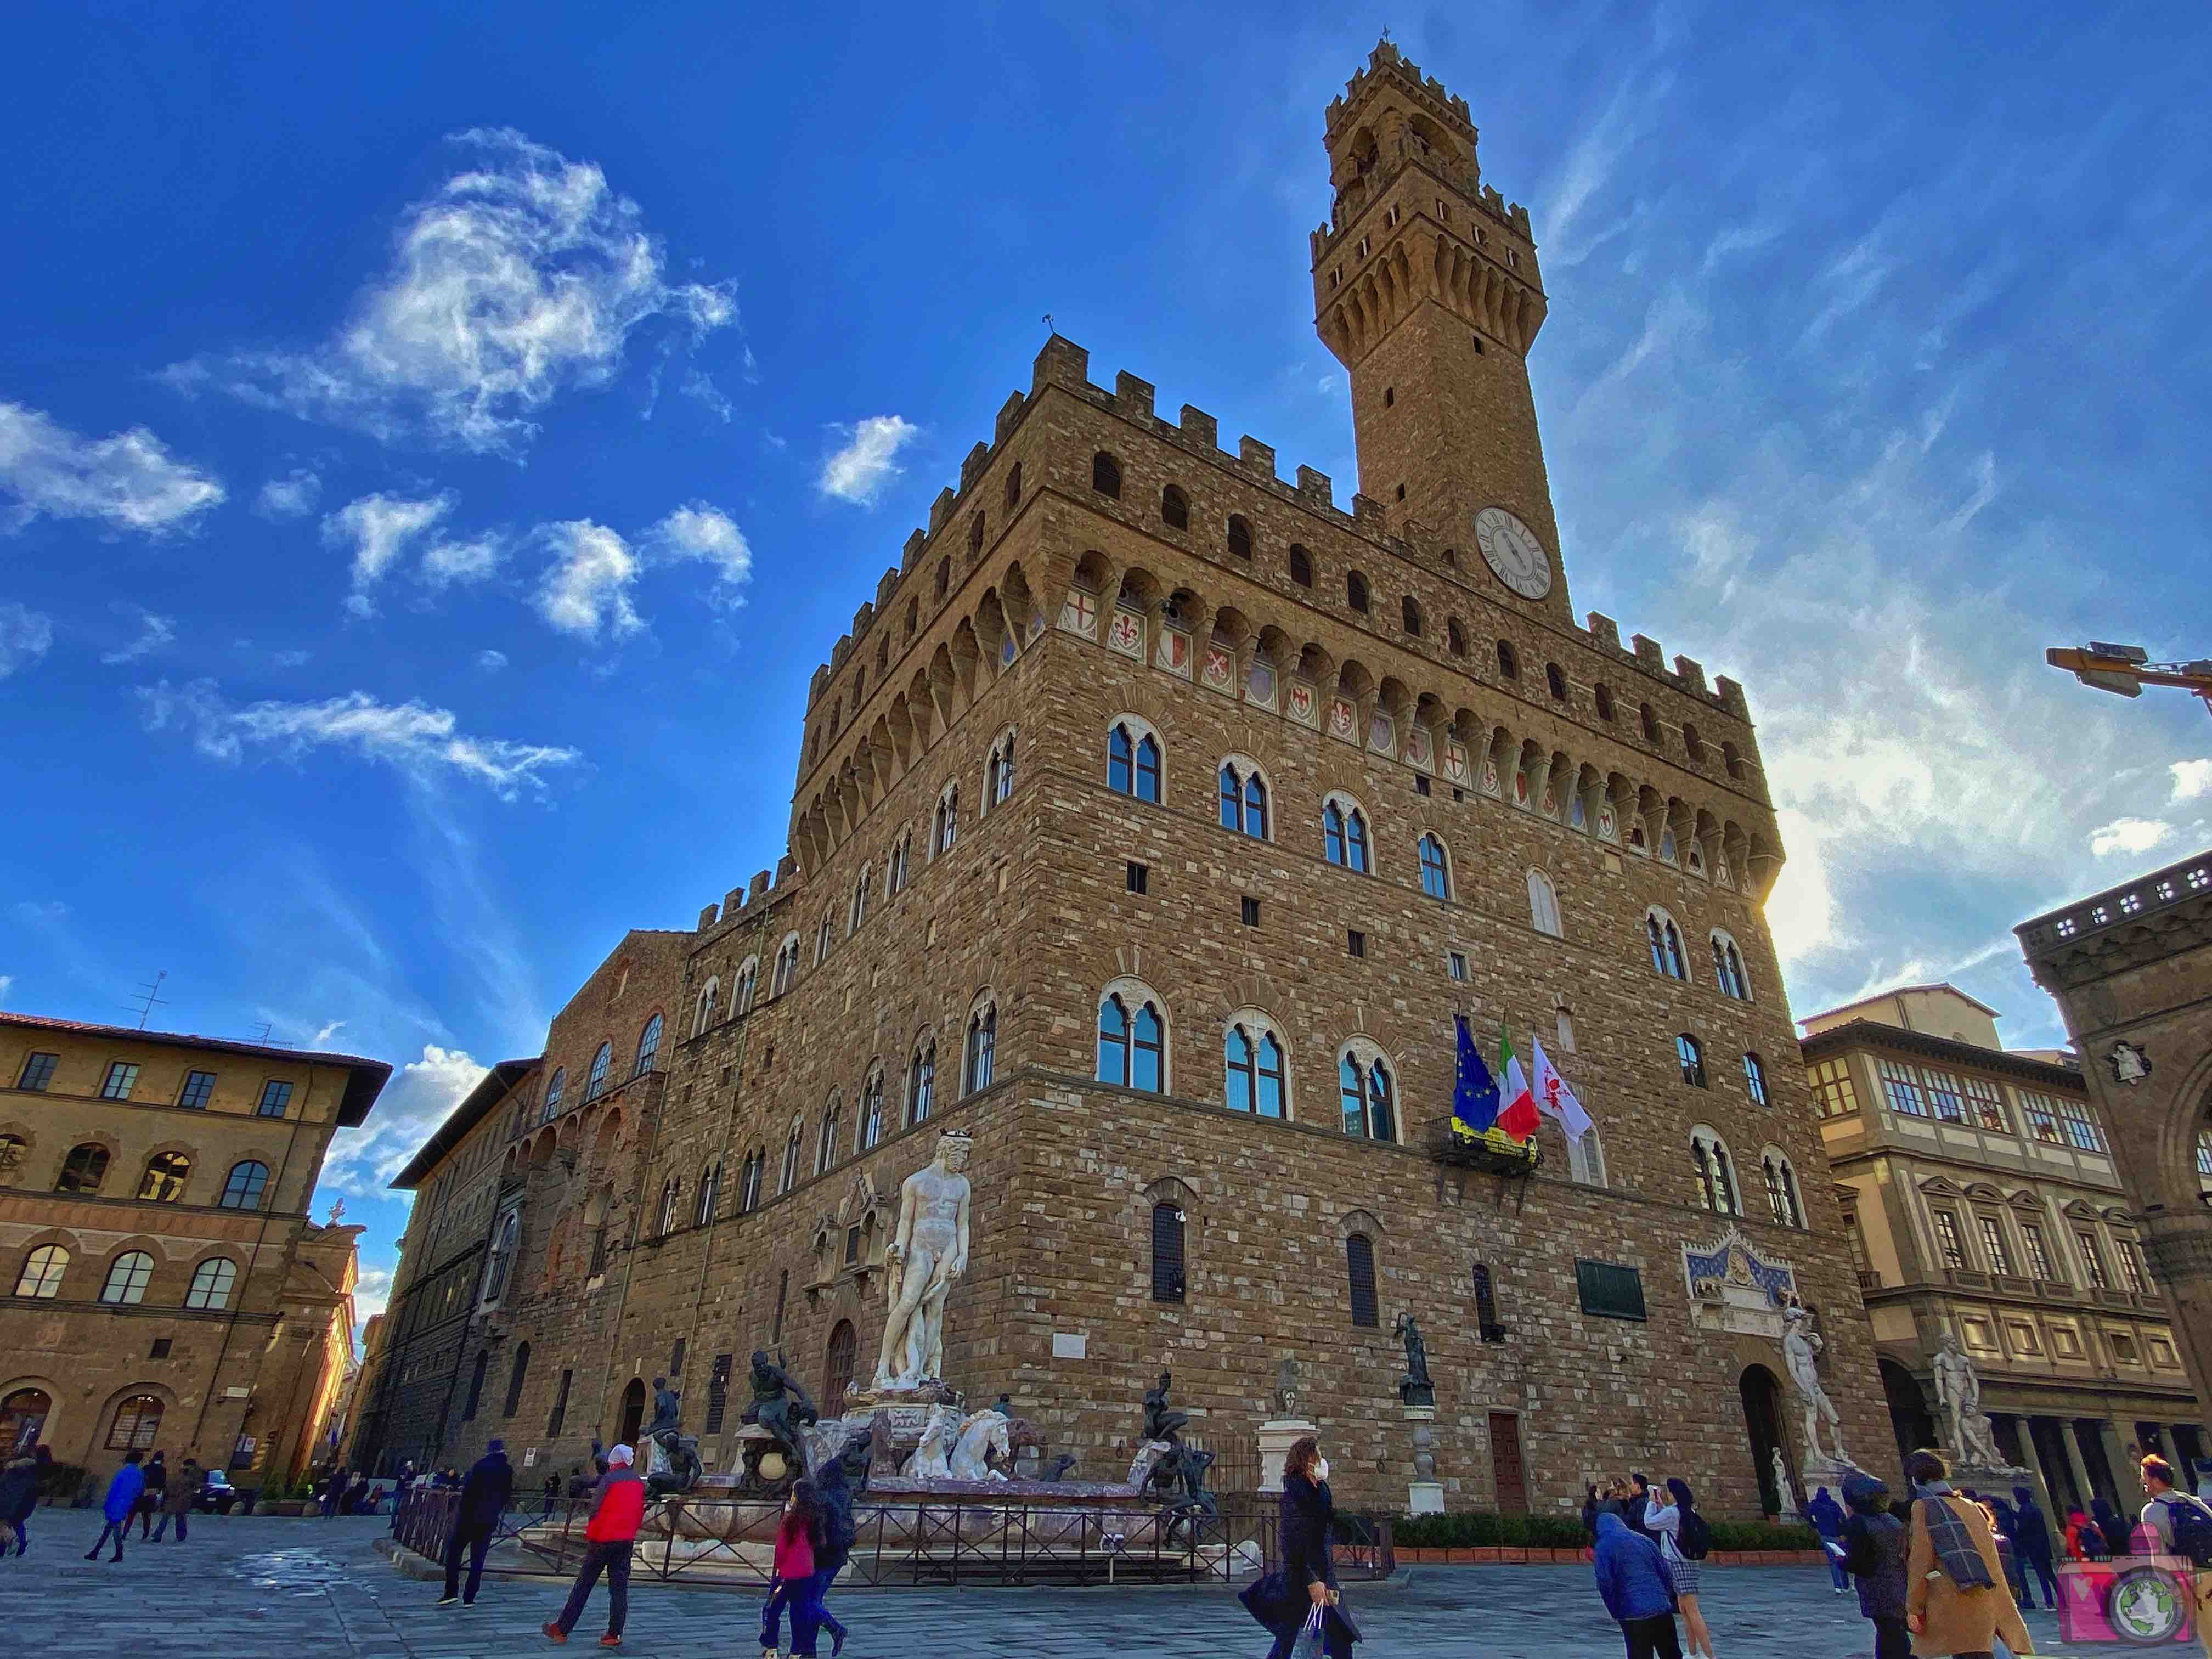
point(928, 1252)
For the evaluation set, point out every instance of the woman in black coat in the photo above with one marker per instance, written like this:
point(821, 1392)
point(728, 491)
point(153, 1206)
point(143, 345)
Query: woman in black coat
point(1308, 1511)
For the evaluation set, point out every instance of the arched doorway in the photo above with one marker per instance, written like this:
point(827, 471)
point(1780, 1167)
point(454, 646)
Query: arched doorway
point(1909, 1418)
point(633, 1417)
point(1762, 1420)
point(22, 1419)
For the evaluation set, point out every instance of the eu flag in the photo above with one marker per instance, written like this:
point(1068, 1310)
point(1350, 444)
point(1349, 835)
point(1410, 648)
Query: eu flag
point(1474, 1099)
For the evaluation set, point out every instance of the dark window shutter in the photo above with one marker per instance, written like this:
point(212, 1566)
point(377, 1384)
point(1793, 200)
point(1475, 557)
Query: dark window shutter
point(1167, 1253)
point(1609, 1290)
point(1359, 1261)
point(516, 1378)
point(676, 1360)
point(560, 1412)
point(718, 1392)
point(1485, 1306)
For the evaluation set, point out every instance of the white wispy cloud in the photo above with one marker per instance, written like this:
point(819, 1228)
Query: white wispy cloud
point(26, 635)
point(292, 496)
point(372, 1290)
point(7, 984)
point(424, 743)
point(128, 481)
point(292, 658)
point(2192, 779)
point(869, 460)
point(153, 633)
point(422, 1095)
point(2128, 835)
point(471, 560)
point(696, 386)
point(588, 586)
point(378, 530)
point(525, 276)
point(491, 661)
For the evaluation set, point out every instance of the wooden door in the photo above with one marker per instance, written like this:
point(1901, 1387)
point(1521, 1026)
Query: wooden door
point(1505, 1468)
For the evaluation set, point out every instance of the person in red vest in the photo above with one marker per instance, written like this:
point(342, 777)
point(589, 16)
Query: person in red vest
point(617, 1514)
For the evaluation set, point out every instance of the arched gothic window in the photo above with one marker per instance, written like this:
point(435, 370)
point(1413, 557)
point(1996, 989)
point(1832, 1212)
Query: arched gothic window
point(1727, 969)
point(502, 1256)
point(1586, 1159)
point(1409, 615)
point(1368, 1096)
point(1781, 1188)
point(871, 1109)
point(1715, 1172)
point(837, 1364)
point(476, 1386)
point(1301, 565)
point(1359, 1270)
point(1754, 1079)
point(165, 1177)
point(999, 772)
point(1544, 905)
point(1603, 697)
point(1132, 1042)
point(1174, 509)
point(211, 1283)
point(786, 966)
point(1243, 800)
point(1132, 762)
point(748, 1181)
point(648, 1047)
point(671, 1191)
point(1692, 745)
point(822, 940)
point(138, 1423)
point(1555, 682)
point(1240, 538)
point(982, 1047)
point(741, 1000)
point(856, 910)
point(1252, 1064)
point(1454, 637)
point(1650, 723)
point(1436, 869)
point(127, 1279)
point(1732, 760)
point(945, 827)
point(1665, 940)
point(1106, 475)
point(790, 1156)
point(242, 1191)
point(1344, 836)
point(1013, 486)
point(975, 527)
point(895, 864)
point(553, 1093)
point(1690, 1054)
point(1167, 1251)
point(920, 1082)
point(1509, 664)
point(825, 1151)
point(1355, 592)
point(595, 1085)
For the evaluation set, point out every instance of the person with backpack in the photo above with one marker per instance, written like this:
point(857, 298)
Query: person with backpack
point(2112, 1528)
point(1874, 1552)
point(1684, 1542)
point(1956, 1602)
point(2083, 1540)
point(2184, 1526)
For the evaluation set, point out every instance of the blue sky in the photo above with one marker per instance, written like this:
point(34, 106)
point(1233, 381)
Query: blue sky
point(437, 445)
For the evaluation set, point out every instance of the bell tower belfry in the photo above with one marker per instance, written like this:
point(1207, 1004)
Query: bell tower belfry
point(1426, 290)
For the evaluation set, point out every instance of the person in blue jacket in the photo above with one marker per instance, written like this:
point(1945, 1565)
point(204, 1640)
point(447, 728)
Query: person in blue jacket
point(1827, 1518)
point(123, 1493)
point(2031, 1541)
point(1633, 1582)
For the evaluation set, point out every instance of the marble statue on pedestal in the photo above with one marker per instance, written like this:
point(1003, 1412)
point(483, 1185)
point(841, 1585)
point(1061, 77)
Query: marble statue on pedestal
point(1783, 1488)
point(1801, 1354)
point(981, 1436)
point(1414, 1388)
point(932, 1459)
point(1958, 1394)
point(926, 1254)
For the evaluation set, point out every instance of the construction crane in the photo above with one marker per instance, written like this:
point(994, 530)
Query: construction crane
point(2126, 669)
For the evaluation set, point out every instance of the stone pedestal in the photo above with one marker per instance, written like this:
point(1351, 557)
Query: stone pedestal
point(1277, 1437)
point(1425, 1495)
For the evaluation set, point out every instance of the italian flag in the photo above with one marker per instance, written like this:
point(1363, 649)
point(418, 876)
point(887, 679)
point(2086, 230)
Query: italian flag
point(1517, 1116)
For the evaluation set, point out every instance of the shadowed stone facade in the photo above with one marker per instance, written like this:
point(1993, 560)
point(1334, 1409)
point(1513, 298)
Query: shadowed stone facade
point(978, 863)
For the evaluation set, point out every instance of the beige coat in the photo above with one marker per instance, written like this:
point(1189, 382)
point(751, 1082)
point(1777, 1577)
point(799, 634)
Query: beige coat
point(1959, 1621)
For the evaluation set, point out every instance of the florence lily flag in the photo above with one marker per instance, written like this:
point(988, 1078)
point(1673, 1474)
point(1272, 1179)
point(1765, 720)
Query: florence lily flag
point(1517, 1117)
point(1555, 1100)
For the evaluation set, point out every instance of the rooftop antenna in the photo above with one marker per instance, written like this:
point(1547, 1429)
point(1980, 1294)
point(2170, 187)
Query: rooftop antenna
point(150, 998)
point(264, 1028)
point(1048, 328)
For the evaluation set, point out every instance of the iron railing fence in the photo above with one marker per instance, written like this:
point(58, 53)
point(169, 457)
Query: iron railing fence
point(727, 1541)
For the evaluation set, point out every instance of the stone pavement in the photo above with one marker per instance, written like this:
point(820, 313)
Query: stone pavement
point(264, 1587)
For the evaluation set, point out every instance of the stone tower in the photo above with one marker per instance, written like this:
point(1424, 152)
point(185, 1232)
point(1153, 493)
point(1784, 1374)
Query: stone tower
point(1426, 289)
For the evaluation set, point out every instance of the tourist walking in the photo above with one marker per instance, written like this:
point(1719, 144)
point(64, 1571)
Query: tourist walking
point(120, 1504)
point(1287, 1602)
point(484, 1496)
point(176, 1502)
point(2002, 1521)
point(2183, 1524)
point(1683, 1540)
point(1874, 1552)
point(2114, 1527)
point(1827, 1518)
point(609, 1536)
point(1956, 1599)
point(20, 1479)
point(150, 1500)
point(792, 1577)
point(1638, 1594)
point(2031, 1541)
point(834, 1536)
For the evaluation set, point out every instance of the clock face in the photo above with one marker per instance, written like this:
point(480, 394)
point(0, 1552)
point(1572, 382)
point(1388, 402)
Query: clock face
point(1513, 552)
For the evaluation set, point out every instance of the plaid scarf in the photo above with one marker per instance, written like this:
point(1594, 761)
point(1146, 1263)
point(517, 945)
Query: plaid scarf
point(1953, 1540)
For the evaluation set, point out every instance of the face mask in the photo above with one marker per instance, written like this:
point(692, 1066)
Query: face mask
point(1321, 1470)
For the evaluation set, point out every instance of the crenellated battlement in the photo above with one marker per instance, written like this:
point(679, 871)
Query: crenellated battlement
point(1386, 62)
point(740, 902)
